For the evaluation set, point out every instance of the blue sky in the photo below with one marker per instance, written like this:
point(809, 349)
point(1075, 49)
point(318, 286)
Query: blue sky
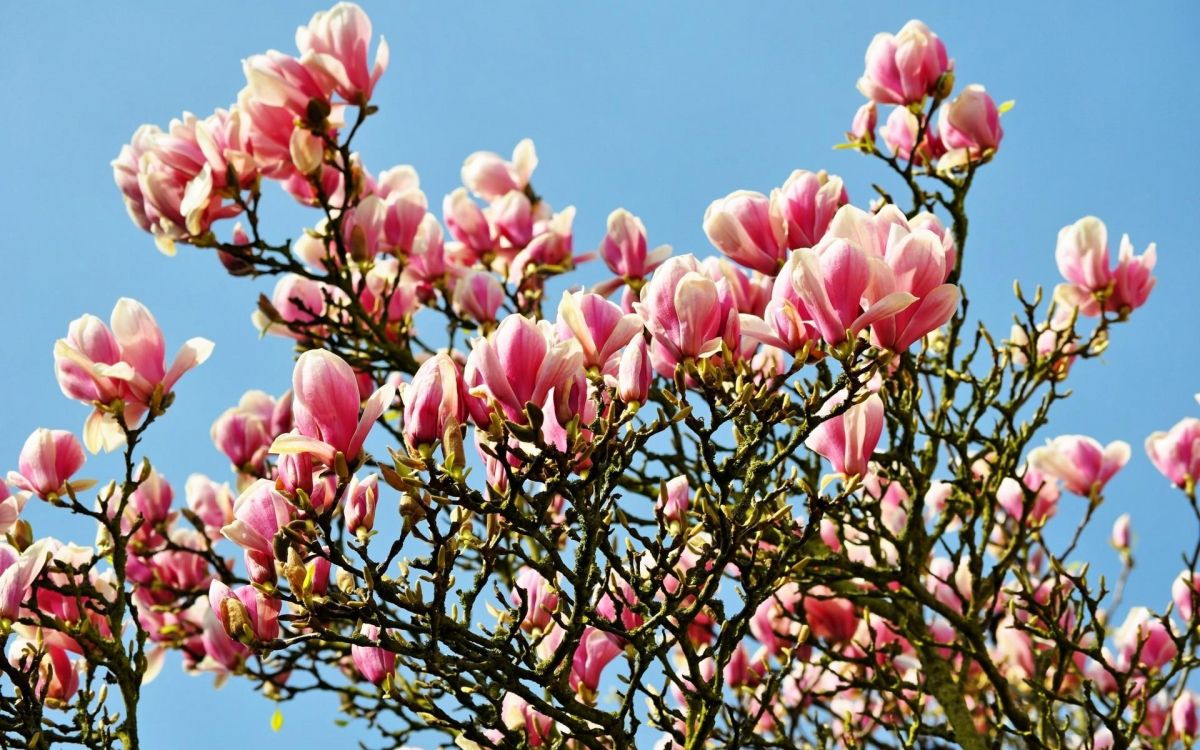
point(659, 108)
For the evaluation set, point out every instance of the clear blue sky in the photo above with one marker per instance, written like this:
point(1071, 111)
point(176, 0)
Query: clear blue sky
point(660, 108)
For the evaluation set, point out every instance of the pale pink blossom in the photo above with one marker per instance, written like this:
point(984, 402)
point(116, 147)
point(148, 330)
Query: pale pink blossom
point(681, 310)
point(750, 228)
point(374, 663)
point(1121, 537)
point(917, 265)
point(1011, 496)
point(971, 122)
point(536, 597)
point(1143, 638)
point(1176, 453)
point(245, 612)
point(1185, 592)
point(243, 433)
point(335, 44)
point(862, 127)
point(521, 362)
point(674, 498)
point(905, 67)
point(467, 222)
point(434, 401)
point(47, 462)
point(848, 439)
point(151, 501)
point(362, 497)
point(635, 372)
point(326, 409)
point(18, 570)
point(899, 134)
point(258, 514)
point(211, 502)
point(1082, 254)
point(1083, 465)
point(832, 281)
point(807, 202)
point(596, 650)
point(1185, 715)
point(624, 250)
point(489, 176)
point(478, 295)
point(600, 327)
point(519, 716)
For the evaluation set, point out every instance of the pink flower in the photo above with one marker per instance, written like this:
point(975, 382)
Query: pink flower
point(152, 499)
point(211, 502)
point(1185, 592)
point(1132, 282)
point(904, 68)
point(680, 307)
point(244, 432)
point(1011, 497)
point(1176, 453)
point(674, 497)
point(749, 228)
point(829, 617)
point(10, 507)
point(862, 127)
point(175, 182)
point(551, 248)
point(519, 716)
point(57, 676)
point(361, 499)
point(1185, 715)
point(634, 373)
point(512, 216)
point(899, 133)
point(624, 250)
point(775, 624)
point(521, 363)
point(245, 611)
point(1143, 637)
point(808, 202)
point(1121, 537)
point(848, 440)
point(127, 363)
point(832, 280)
point(18, 570)
point(1080, 462)
point(1082, 254)
point(971, 122)
point(596, 650)
point(917, 265)
point(374, 663)
point(48, 460)
point(489, 176)
point(258, 514)
point(467, 222)
point(435, 400)
point(143, 349)
point(325, 406)
point(600, 327)
point(335, 44)
point(478, 296)
point(537, 597)
point(786, 323)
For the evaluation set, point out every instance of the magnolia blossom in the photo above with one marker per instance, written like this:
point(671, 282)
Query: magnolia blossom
point(916, 264)
point(361, 499)
point(95, 364)
point(596, 650)
point(905, 67)
point(519, 716)
point(326, 409)
point(489, 176)
point(245, 612)
point(175, 183)
point(478, 296)
point(1083, 465)
point(848, 439)
point(335, 45)
point(1143, 638)
point(521, 363)
point(48, 460)
point(683, 312)
point(57, 677)
point(1011, 496)
point(862, 127)
point(1093, 284)
point(18, 570)
point(674, 497)
point(374, 663)
point(970, 126)
point(435, 400)
point(1176, 452)
point(600, 327)
point(750, 228)
point(243, 433)
point(624, 251)
point(808, 201)
point(536, 597)
point(258, 514)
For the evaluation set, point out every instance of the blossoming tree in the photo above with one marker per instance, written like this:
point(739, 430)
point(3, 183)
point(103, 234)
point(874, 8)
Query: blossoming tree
point(790, 495)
